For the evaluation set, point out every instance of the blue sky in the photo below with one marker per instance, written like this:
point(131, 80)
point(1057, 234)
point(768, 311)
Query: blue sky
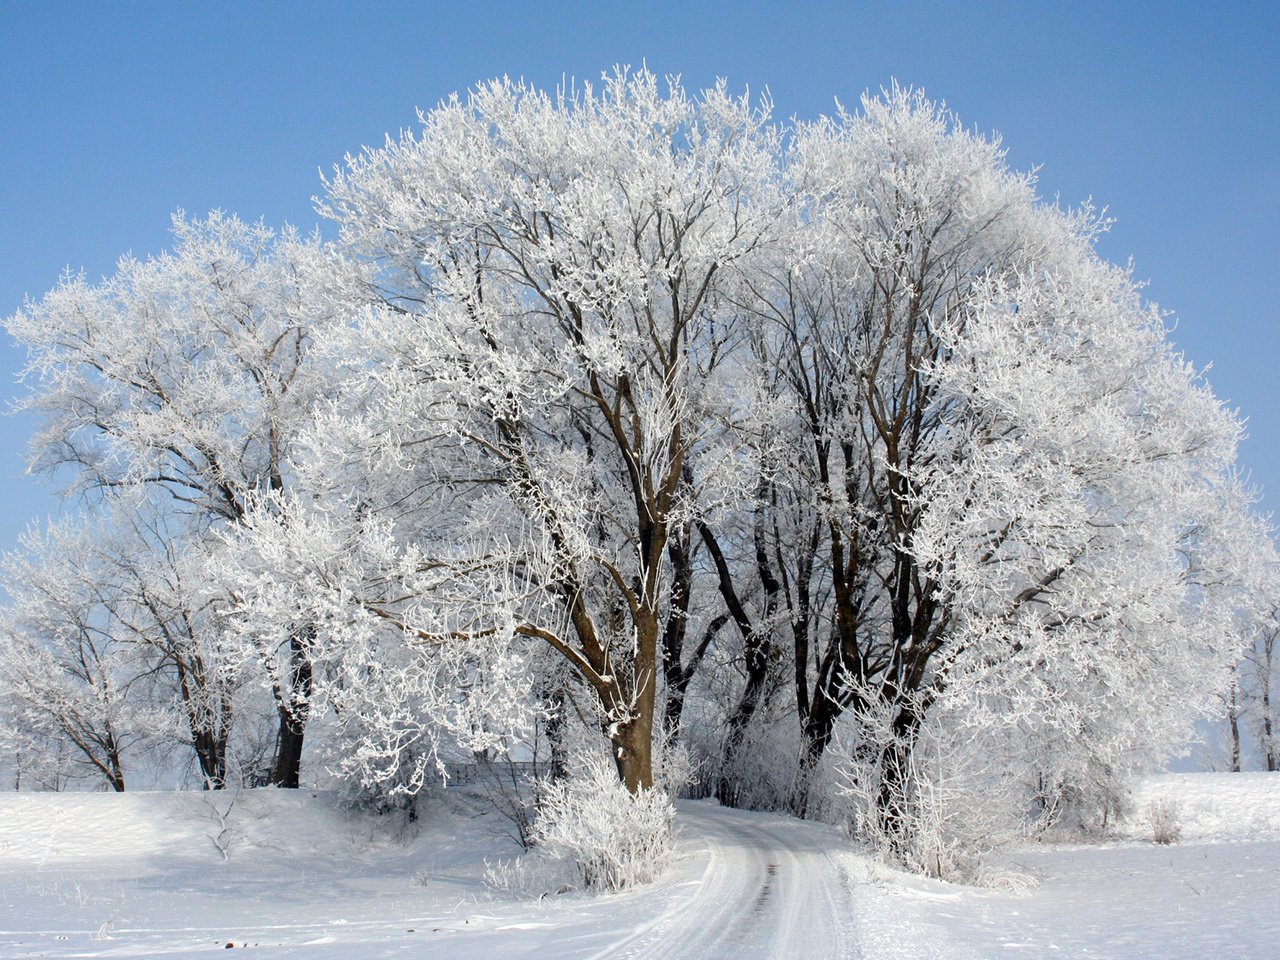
point(114, 115)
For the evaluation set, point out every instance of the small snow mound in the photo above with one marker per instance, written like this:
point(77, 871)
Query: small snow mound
point(1209, 806)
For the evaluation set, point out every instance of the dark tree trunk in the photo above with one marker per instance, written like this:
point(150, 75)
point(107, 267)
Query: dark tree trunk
point(1268, 721)
point(735, 729)
point(675, 630)
point(893, 800)
point(1268, 735)
point(209, 729)
point(834, 690)
point(211, 752)
point(556, 703)
point(293, 706)
point(816, 731)
point(287, 769)
point(678, 678)
point(115, 776)
point(757, 649)
point(1233, 718)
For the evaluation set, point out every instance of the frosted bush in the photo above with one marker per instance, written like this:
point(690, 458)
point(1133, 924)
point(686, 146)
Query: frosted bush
point(616, 839)
point(1166, 821)
point(944, 812)
point(531, 876)
point(673, 767)
point(761, 773)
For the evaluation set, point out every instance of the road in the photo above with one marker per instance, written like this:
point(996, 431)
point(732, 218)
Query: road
point(769, 888)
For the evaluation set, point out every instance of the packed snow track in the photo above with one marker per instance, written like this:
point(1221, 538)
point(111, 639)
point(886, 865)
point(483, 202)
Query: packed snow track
point(768, 888)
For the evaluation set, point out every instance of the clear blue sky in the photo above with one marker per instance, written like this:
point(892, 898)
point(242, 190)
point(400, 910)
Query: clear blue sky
point(113, 115)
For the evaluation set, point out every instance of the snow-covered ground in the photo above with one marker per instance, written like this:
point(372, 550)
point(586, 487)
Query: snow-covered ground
point(84, 875)
point(1211, 896)
point(97, 875)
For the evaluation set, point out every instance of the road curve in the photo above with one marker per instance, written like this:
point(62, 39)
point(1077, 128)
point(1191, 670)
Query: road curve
point(770, 888)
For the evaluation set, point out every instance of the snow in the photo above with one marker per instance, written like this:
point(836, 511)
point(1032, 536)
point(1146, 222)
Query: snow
point(1212, 895)
point(141, 875)
point(1211, 806)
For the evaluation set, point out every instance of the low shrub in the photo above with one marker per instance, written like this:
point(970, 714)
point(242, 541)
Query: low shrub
point(615, 838)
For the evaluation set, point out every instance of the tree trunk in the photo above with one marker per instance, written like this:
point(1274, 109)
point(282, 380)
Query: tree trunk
point(736, 727)
point(675, 630)
point(632, 736)
point(833, 694)
point(211, 752)
point(1233, 718)
point(633, 753)
point(556, 733)
point(1268, 735)
point(209, 727)
point(1268, 721)
point(893, 800)
point(816, 734)
point(287, 769)
point(757, 644)
point(293, 708)
point(116, 774)
point(679, 675)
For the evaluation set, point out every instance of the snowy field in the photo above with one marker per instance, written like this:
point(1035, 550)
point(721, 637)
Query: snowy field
point(1212, 896)
point(144, 874)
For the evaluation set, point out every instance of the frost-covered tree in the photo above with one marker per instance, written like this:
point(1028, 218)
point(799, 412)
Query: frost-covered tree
point(553, 351)
point(897, 213)
point(1092, 547)
point(1249, 705)
point(186, 376)
point(163, 605)
point(1263, 663)
point(66, 680)
point(1042, 519)
point(992, 461)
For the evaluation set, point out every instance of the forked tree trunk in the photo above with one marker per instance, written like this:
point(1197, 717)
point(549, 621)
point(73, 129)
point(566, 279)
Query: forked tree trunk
point(736, 727)
point(816, 733)
point(757, 646)
point(209, 735)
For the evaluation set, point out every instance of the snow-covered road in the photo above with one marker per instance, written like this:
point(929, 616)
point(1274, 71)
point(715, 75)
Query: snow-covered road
point(766, 888)
point(746, 887)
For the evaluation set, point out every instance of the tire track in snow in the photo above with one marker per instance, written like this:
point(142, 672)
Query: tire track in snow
point(771, 890)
